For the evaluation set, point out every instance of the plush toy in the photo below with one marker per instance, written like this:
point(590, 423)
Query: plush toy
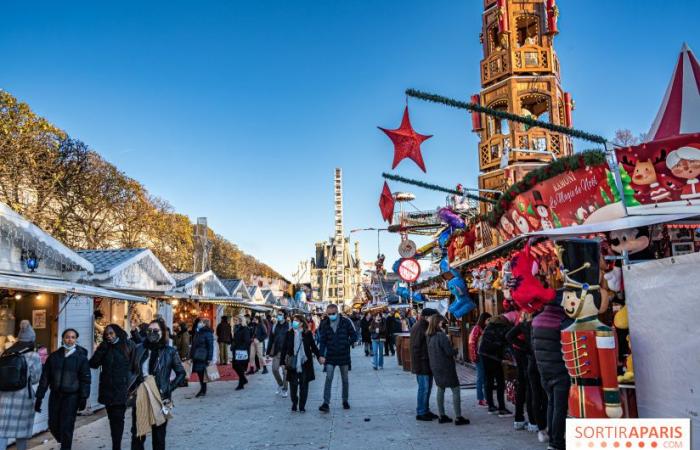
point(589, 348)
point(628, 376)
point(463, 304)
point(450, 218)
point(527, 291)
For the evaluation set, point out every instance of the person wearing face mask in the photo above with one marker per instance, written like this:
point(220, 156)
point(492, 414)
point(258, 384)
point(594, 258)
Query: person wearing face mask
point(113, 356)
point(378, 334)
point(299, 350)
point(152, 386)
point(336, 335)
point(275, 350)
point(67, 372)
point(240, 349)
point(224, 336)
point(202, 353)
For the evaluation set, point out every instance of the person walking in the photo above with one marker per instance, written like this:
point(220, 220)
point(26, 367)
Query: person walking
point(492, 350)
point(366, 335)
point(336, 335)
point(299, 350)
point(202, 353)
point(17, 400)
point(152, 387)
point(441, 356)
point(240, 349)
point(474, 337)
point(378, 335)
point(519, 339)
point(224, 336)
point(67, 372)
point(275, 350)
point(113, 356)
point(420, 365)
point(257, 358)
point(181, 341)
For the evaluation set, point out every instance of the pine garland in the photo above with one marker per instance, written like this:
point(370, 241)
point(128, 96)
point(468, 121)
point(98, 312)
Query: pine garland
point(506, 115)
point(435, 187)
point(566, 164)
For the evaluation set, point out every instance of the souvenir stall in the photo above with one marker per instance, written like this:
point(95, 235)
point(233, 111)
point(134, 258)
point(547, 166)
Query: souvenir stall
point(46, 283)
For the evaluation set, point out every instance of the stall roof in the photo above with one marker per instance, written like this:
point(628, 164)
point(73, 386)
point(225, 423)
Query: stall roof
point(109, 262)
point(622, 223)
point(36, 284)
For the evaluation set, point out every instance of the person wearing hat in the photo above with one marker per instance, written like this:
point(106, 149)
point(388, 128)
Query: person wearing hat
point(685, 163)
point(420, 365)
point(17, 407)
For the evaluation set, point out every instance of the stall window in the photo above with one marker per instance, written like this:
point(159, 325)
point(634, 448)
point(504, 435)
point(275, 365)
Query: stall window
point(40, 309)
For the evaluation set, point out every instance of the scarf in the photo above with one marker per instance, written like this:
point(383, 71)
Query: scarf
point(149, 407)
point(299, 352)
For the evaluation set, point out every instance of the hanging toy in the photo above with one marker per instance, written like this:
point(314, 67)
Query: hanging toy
point(527, 291)
point(463, 304)
point(451, 218)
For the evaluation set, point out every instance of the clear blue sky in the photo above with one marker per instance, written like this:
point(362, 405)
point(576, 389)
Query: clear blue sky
point(239, 111)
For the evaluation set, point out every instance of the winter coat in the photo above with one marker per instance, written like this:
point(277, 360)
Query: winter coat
point(241, 341)
point(182, 344)
point(335, 345)
point(310, 349)
point(546, 341)
point(163, 360)
point(224, 333)
point(519, 337)
point(420, 364)
point(115, 376)
point(17, 407)
point(364, 327)
point(378, 330)
point(258, 332)
point(202, 349)
point(63, 375)
point(441, 356)
point(474, 336)
point(278, 338)
point(493, 342)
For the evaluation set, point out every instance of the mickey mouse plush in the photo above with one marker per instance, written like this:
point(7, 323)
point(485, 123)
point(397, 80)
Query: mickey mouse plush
point(634, 240)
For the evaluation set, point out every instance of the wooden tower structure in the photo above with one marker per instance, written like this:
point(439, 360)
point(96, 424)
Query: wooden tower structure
point(520, 74)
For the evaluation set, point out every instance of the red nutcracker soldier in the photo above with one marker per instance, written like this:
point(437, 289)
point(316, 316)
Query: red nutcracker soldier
point(588, 345)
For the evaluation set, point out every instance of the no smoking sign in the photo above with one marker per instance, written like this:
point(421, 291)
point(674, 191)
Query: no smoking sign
point(409, 270)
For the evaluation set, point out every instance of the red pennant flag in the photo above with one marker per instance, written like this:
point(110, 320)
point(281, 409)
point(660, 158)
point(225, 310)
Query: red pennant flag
point(406, 142)
point(386, 204)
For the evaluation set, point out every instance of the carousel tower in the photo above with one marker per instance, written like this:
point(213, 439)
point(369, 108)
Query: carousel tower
point(520, 74)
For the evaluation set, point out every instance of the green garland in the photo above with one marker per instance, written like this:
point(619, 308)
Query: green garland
point(434, 187)
point(566, 164)
point(506, 115)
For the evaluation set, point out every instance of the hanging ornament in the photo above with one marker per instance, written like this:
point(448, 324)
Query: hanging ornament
point(407, 248)
point(406, 142)
point(386, 203)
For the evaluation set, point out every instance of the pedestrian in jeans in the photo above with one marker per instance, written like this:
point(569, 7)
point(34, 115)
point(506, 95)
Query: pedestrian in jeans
point(474, 336)
point(113, 356)
point(275, 350)
point(17, 407)
point(202, 353)
point(420, 365)
point(492, 351)
point(299, 350)
point(224, 336)
point(378, 333)
point(336, 335)
point(441, 356)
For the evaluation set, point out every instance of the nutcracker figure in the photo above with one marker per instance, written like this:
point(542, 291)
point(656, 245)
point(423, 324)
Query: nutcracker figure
point(588, 345)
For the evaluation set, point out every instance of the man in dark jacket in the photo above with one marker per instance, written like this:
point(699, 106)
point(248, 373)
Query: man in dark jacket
point(546, 343)
point(492, 351)
point(224, 337)
point(336, 335)
point(275, 347)
point(67, 373)
point(420, 365)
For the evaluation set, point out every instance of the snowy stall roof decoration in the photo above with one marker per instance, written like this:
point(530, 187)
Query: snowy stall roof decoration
point(203, 284)
point(116, 266)
point(16, 230)
point(236, 288)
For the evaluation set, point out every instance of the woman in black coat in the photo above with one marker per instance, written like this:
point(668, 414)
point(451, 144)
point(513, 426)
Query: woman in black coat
point(240, 349)
point(202, 353)
point(299, 350)
point(113, 355)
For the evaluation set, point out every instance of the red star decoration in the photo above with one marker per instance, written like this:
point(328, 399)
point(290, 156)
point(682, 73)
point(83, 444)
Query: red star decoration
point(406, 142)
point(386, 203)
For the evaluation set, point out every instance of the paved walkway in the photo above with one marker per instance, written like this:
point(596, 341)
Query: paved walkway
point(382, 417)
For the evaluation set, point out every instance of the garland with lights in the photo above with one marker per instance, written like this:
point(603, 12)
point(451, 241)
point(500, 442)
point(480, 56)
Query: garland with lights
point(566, 164)
point(506, 115)
point(435, 187)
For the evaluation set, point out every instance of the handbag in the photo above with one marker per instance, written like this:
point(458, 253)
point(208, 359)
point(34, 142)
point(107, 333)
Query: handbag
point(212, 373)
point(241, 355)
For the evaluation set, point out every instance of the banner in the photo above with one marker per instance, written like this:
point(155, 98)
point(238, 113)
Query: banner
point(585, 195)
point(663, 175)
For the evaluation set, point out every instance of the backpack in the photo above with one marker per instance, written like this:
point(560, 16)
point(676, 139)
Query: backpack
point(14, 373)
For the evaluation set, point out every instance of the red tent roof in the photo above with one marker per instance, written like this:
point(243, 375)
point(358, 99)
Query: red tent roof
point(680, 108)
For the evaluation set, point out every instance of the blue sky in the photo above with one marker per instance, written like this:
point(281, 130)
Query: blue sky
point(240, 111)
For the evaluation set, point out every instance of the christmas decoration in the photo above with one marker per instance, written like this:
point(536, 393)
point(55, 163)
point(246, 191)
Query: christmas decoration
point(434, 187)
point(506, 115)
point(463, 304)
point(386, 203)
point(406, 142)
point(526, 290)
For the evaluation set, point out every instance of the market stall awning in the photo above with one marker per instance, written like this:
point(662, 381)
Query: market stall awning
point(622, 223)
point(490, 253)
point(35, 284)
